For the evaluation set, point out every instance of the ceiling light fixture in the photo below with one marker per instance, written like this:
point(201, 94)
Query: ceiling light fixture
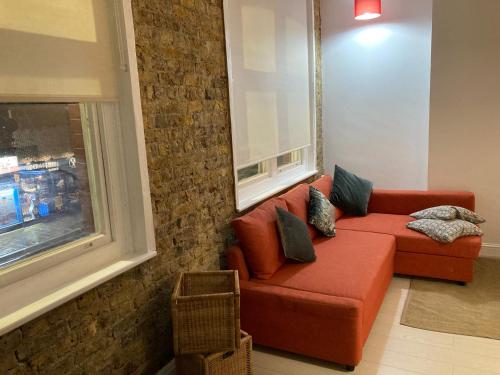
point(367, 9)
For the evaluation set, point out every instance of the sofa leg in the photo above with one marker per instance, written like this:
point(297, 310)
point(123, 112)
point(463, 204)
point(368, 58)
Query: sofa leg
point(349, 368)
point(461, 283)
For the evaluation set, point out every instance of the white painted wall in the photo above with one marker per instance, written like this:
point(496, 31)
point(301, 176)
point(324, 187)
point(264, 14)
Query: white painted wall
point(376, 78)
point(464, 150)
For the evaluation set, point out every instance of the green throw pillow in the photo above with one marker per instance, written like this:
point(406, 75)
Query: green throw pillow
point(350, 193)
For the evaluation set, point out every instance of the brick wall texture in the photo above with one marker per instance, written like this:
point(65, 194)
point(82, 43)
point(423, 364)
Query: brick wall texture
point(123, 326)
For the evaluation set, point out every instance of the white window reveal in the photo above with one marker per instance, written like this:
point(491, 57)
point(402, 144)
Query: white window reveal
point(75, 207)
point(271, 67)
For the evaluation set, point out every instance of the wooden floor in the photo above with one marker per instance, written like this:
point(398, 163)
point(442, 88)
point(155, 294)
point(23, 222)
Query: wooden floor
point(394, 349)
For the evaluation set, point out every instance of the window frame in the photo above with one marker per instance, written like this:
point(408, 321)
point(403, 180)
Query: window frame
point(277, 179)
point(43, 282)
point(255, 190)
point(100, 206)
point(254, 178)
point(292, 164)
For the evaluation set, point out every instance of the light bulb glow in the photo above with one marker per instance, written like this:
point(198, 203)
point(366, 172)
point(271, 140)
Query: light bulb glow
point(367, 16)
point(371, 36)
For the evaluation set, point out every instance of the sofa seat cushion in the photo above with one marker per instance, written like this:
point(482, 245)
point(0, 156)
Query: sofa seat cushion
point(408, 240)
point(351, 265)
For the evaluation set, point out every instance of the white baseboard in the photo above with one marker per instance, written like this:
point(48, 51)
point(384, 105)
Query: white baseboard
point(169, 369)
point(490, 250)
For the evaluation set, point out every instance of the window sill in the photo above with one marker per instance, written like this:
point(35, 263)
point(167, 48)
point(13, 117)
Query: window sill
point(248, 200)
point(12, 320)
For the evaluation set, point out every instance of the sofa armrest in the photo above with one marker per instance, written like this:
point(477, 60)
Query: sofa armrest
point(405, 202)
point(316, 304)
point(314, 324)
point(236, 261)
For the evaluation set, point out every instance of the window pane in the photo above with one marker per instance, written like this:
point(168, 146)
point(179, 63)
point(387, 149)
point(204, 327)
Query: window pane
point(294, 157)
point(45, 194)
point(251, 171)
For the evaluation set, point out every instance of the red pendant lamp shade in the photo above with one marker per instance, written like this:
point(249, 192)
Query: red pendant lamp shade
point(367, 9)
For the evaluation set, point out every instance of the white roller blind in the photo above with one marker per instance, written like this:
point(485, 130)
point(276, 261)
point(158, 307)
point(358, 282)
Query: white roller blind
point(58, 50)
point(268, 59)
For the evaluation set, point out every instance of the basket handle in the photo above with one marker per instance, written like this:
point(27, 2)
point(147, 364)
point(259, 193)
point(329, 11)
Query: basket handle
point(236, 281)
point(176, 291)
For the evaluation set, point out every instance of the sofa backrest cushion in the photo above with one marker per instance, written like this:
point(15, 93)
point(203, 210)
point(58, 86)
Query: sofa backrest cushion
point(236, 261)
point(297, 201)
point(258, 235)
point(325, 184)
point(405, 202)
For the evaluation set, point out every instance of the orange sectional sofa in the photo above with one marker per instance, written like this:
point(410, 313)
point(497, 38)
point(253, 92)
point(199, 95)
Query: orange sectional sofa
point(326, 309)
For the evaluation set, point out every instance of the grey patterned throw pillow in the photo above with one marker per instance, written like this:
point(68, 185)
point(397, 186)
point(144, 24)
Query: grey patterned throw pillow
point(445, 231)
point(448, 212)
point(321, 213)
point(468, 215)
point(439, 212)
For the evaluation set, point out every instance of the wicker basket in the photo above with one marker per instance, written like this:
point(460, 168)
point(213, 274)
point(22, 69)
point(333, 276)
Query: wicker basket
point(238, 362)
point(206, 312)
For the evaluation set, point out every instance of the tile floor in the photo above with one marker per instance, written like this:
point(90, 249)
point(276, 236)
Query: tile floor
point(394, 349)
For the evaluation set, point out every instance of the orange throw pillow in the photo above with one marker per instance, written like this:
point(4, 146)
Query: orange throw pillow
point(258, 235)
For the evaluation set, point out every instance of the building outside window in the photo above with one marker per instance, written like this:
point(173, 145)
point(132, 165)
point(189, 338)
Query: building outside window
point(46, 193)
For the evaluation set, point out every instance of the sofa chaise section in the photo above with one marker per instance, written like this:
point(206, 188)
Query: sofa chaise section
point(326, 309)
point(323, 309)
point(417, 254)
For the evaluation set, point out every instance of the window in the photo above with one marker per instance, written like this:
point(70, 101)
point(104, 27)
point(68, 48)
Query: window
point(271, 68)
point(48, 172)
point(252, 172)
point(75, 208)
point(290, 160)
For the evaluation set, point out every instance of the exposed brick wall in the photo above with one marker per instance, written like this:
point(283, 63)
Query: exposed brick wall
point(123, 325)
point(319, 89)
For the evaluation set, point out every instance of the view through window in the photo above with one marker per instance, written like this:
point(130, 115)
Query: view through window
point(270, 166)
point(45, 189)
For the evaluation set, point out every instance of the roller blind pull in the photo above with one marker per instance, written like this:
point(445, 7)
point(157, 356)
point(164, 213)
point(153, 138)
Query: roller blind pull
point(268, 59)
point(58, 50)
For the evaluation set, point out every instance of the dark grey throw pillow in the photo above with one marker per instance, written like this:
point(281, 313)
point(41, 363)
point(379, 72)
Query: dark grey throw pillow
point(321, 213)
point(350, 193)
point(297, 244)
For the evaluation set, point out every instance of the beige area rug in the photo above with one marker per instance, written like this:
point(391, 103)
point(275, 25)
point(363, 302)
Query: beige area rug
point(472, 310)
